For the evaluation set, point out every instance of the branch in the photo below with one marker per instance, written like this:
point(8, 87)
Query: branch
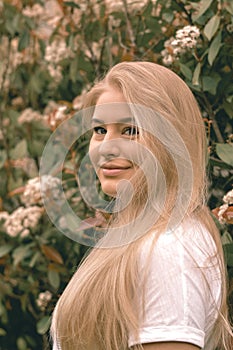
point(106, 38)
point(4, 94)
point(182, 7)
point(212, 118)
point(128, 23)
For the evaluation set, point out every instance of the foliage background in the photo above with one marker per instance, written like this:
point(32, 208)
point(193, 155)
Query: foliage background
point(51, 52)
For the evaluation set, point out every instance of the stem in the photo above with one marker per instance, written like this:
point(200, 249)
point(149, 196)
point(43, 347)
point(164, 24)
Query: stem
point(45, 342)
point(211, 114)
point(4, 94)
point(128, 24)
point(109, 41)
point(106, 27)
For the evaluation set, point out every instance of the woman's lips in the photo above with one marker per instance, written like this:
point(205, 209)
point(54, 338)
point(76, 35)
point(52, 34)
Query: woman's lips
point(113, 170)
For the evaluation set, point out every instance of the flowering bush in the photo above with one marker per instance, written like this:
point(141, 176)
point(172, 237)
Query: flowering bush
point(225, 212)
point(51, 52)
point(185, 40)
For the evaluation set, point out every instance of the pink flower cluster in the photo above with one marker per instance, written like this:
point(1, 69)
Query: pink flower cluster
point(185, 39)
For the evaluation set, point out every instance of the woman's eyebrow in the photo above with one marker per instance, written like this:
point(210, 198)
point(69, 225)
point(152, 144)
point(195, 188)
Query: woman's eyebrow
point(119, 121)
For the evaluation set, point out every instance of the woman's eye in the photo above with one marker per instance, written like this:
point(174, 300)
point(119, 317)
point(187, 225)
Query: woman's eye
point(131, 131)
point(99, 130)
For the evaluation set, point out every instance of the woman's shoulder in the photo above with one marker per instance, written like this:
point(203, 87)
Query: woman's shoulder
point(191, 239)
point(183, 259)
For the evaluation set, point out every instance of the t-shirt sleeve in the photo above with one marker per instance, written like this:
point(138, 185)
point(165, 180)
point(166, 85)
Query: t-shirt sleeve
point(177, 301)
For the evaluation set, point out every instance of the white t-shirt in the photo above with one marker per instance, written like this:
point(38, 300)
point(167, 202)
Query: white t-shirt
point(183, 288)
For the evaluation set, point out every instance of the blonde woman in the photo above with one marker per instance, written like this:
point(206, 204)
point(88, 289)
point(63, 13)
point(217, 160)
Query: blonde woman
point(156, 280)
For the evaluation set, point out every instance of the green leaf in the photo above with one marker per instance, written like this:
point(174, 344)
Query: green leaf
point(186, 71)
point(5, 289)
point(210, 83)
point(3, 157)
point(24, 40)
point(148, 9)
point(211, 27)
point(74, 69)
point(229, 6)
point(5, 249)
point(93, 31)
point(196, 74)
point(228, 251)
point(21, 344)
point(13, 115)
point(71, 4)
point(43, 325)
point(225, 152)
point(30, 22)
point(54, 279)
point(71, 42)
point(214, 48)
point(229, 247)
point(34, 259)
point(36, 148)
point(14, 182)
point(20, 150)
point(3, 182)
point(12, 20)
point(153, 24)
point(228, 108)
point(21, 253)
point(2, 332)
point(168, 16)
point(35, 84)
point(203, 6)
point(226, 238)
point(229, 258)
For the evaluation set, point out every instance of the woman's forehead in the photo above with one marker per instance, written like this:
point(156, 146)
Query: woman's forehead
point(113, 113)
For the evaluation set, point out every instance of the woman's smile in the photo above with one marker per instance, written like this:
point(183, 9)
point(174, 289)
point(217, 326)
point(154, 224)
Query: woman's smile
point(110, 173)
point(113, 169)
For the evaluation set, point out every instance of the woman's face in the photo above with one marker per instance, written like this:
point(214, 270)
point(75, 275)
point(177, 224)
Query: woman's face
point(111, 147)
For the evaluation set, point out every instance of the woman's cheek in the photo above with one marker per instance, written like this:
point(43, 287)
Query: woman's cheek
point(93, 153)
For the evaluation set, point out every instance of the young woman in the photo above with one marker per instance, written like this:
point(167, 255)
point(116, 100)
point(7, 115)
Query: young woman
point(156, 280)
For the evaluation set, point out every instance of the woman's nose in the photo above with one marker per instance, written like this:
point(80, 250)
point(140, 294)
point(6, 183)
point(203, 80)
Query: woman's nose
point(110, 147)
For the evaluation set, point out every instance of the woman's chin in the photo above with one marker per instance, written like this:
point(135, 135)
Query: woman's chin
point(111, 192)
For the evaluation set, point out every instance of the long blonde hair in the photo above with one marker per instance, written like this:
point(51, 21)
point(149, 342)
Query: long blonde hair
point(96, 310)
